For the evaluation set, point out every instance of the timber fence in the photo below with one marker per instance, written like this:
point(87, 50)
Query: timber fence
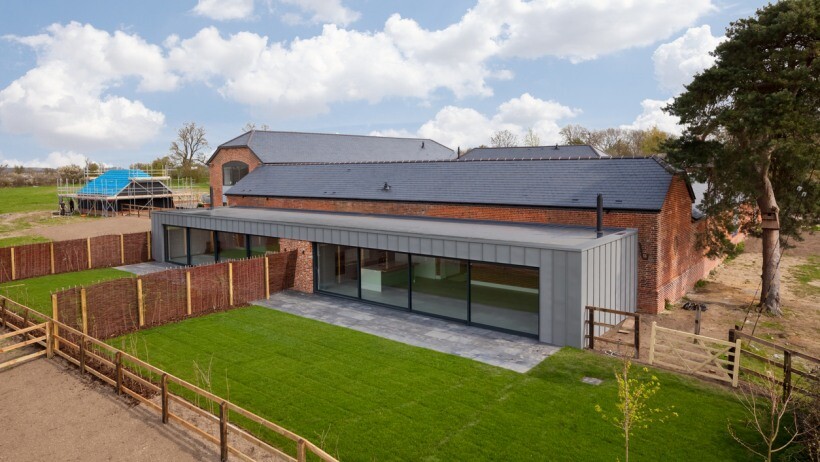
point(794, 371)
point(113, 308)
point(41, 259)
point(219, 421)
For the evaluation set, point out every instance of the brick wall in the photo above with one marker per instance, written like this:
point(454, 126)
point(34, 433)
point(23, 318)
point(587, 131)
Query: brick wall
point(227, 155)
point(303, 280)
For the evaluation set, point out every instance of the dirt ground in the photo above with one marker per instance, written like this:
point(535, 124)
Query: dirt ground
point(49, 412)
point(733, 288)
point(64, 228)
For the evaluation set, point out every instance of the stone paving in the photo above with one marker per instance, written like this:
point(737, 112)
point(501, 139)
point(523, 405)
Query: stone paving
point(146, 268)
point(512, 352)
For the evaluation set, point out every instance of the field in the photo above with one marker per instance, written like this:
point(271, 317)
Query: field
point(28, 199)
point(36, 292)
point(367, 398)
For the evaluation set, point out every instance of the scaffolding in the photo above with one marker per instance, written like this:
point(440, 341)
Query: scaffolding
point(124, 191)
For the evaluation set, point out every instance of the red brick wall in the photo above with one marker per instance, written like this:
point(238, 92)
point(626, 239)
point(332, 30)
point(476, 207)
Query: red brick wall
point(303, 281)
point(227, 155)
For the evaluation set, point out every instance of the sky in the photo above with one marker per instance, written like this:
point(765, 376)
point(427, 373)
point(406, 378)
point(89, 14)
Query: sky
point(113, 81)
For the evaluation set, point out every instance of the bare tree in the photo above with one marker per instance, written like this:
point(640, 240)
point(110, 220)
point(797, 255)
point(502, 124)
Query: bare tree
point(532, 138)
point(189, 146)
point(575, 134)
point(252, 126)
point(503, 139)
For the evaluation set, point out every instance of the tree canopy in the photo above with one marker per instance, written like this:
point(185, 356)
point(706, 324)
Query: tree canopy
point(752, 130)
point(189, 147)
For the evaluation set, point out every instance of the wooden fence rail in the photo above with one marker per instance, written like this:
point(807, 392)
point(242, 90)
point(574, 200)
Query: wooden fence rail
point(113, 366)
point(592, 323)
point(695, 354)
point(788, 365)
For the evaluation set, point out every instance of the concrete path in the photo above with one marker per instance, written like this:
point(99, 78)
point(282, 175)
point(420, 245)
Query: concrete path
point(512, 352)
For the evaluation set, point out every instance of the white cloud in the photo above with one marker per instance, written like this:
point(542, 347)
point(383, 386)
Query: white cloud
point(677, 62)
point(55, 159)
point(322, 12)
point(65, 101)
point(653, 116)
point(222, 10)
point(465, 127)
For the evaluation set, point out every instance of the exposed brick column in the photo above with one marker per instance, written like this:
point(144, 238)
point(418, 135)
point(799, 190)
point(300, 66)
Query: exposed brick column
point(303, 281)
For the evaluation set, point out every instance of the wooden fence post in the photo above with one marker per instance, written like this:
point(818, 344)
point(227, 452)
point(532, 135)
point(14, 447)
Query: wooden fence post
point(13, 272)
point(148, 236)
point(301, 450)
point(82, 355)
point(230, 284)
point(652, 342)
point(49, 339)
point(118, 363)
point(25, 324)
point(697, 321)
point(3, 313)
point(51, 247)
point(122, 249)
point(84, 307)
point(591, 327)
point(163, 386)
point(637, 340)
point(731, 356)
point(267, 279)
point(188, 291)
point(736, 364)
point(54, 315)
point(223, 431)
point(88, 248)
point(140, 302)
point(787, 373)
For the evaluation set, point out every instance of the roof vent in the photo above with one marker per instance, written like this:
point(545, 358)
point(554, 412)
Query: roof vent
point(422, 145)
point(386, 186)
point(556, 147)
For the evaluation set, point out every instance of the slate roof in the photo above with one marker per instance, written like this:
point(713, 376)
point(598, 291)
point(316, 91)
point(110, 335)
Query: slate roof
point(111, 182)
point(626, 183)
point(536, 152)
point(292, 147)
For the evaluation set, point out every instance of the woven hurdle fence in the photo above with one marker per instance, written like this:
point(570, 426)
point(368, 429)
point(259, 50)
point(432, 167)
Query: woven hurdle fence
point(113, 308)
point(41, 259)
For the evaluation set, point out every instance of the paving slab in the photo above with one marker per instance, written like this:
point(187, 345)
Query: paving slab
point(147, 268)
point(500, 349)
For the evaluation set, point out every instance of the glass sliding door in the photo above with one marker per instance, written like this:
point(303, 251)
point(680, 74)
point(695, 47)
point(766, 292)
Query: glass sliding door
point(504, 296)
point(261, 245)
point(385, 277)
point(232, 246)
point(440, 287)
point(203, 246)
point(176, 245)
point(338, 269)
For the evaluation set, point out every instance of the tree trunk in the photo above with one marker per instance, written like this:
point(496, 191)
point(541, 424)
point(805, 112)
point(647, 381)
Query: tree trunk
point(770, 294)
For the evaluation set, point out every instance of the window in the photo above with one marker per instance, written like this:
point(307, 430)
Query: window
point(203, 248)
point(176, 245)
point(233, 171)
point(261, 245)
point(338, 269)
point(440, 287)
point(504, 296)
point(385, 277)
point(232, 246)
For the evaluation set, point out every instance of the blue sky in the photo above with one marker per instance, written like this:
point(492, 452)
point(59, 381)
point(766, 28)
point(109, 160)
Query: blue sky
point(113, 81)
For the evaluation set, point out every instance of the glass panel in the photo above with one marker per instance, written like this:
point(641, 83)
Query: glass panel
point(202, 246)
point(504, 296)
point(231, 246)
point(176, 249)
point(385, 277)
point(440, 286)
point(338, 269)
point(260, 245)
point(232, 172)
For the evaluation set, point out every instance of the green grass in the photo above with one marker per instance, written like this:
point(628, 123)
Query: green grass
point(367, 398)
point(21, 240)
point(28, 199)
point(806, 274)
point(36, 292)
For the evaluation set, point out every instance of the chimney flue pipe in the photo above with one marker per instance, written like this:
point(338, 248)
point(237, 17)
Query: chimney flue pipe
point(599, 223)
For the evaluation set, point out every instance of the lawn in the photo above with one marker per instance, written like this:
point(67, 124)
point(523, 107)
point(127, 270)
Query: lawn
point(366, 398)
point(36, 292)
point(28, 199)
point(21, 240)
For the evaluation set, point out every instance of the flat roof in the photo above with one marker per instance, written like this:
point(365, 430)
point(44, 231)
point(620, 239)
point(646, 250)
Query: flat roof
point(544, 236)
